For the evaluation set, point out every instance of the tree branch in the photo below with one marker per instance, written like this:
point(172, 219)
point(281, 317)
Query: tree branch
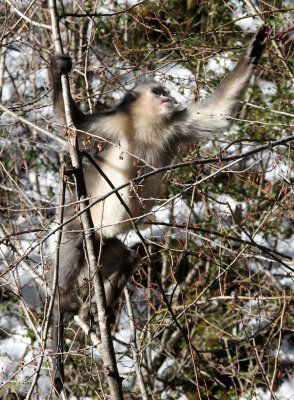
point(107, 350)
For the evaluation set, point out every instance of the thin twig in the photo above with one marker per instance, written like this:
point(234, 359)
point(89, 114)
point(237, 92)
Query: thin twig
point(102, 14)
point(88, 331)
point(52, 135)
point(8, 241)
point(23, 16)
point(276, 46)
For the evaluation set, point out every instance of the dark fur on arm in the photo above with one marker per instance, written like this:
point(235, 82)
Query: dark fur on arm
point(62, 65)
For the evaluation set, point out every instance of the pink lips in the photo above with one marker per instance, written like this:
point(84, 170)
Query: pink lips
point(165, 101)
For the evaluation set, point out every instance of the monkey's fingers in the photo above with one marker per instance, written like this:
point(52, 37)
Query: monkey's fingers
point(258, 43)
point(263, 34)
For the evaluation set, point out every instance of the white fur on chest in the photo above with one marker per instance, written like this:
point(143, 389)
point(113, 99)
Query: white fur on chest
point(121, 163)
point(109, 215)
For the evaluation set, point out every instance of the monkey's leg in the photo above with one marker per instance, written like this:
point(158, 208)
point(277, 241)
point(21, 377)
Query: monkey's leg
point(118, 263)
point(70, 264)
point(66, 302)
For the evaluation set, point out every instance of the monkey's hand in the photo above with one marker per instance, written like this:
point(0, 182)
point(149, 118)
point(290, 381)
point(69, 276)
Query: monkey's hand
point(258, 43)
point(60, 65)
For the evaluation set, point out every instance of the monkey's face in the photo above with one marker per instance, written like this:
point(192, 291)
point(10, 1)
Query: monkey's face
point(161, 100)
point(151, 102)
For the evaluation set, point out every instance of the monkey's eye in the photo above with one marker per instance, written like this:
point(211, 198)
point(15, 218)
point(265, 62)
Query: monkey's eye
point(159, 91)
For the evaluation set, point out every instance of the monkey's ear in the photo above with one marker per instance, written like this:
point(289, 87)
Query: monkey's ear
point(129, 98)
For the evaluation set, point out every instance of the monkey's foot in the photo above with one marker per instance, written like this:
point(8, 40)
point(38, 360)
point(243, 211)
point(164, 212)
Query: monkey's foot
point(91, 313)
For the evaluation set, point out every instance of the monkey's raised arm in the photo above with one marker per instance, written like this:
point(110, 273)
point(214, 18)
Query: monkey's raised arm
point(213, 113)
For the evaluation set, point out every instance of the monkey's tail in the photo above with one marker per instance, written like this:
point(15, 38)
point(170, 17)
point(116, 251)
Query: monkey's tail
point(58, 341)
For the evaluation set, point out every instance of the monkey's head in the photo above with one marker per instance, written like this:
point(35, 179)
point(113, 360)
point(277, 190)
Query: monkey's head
point(149, 101)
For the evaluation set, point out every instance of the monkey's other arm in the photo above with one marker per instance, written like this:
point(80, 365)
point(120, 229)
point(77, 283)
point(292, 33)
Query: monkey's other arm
point(213, 114)
point(61, 65)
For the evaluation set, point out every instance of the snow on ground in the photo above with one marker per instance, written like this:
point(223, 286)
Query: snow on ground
point(285, 392)
point(14, 346)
